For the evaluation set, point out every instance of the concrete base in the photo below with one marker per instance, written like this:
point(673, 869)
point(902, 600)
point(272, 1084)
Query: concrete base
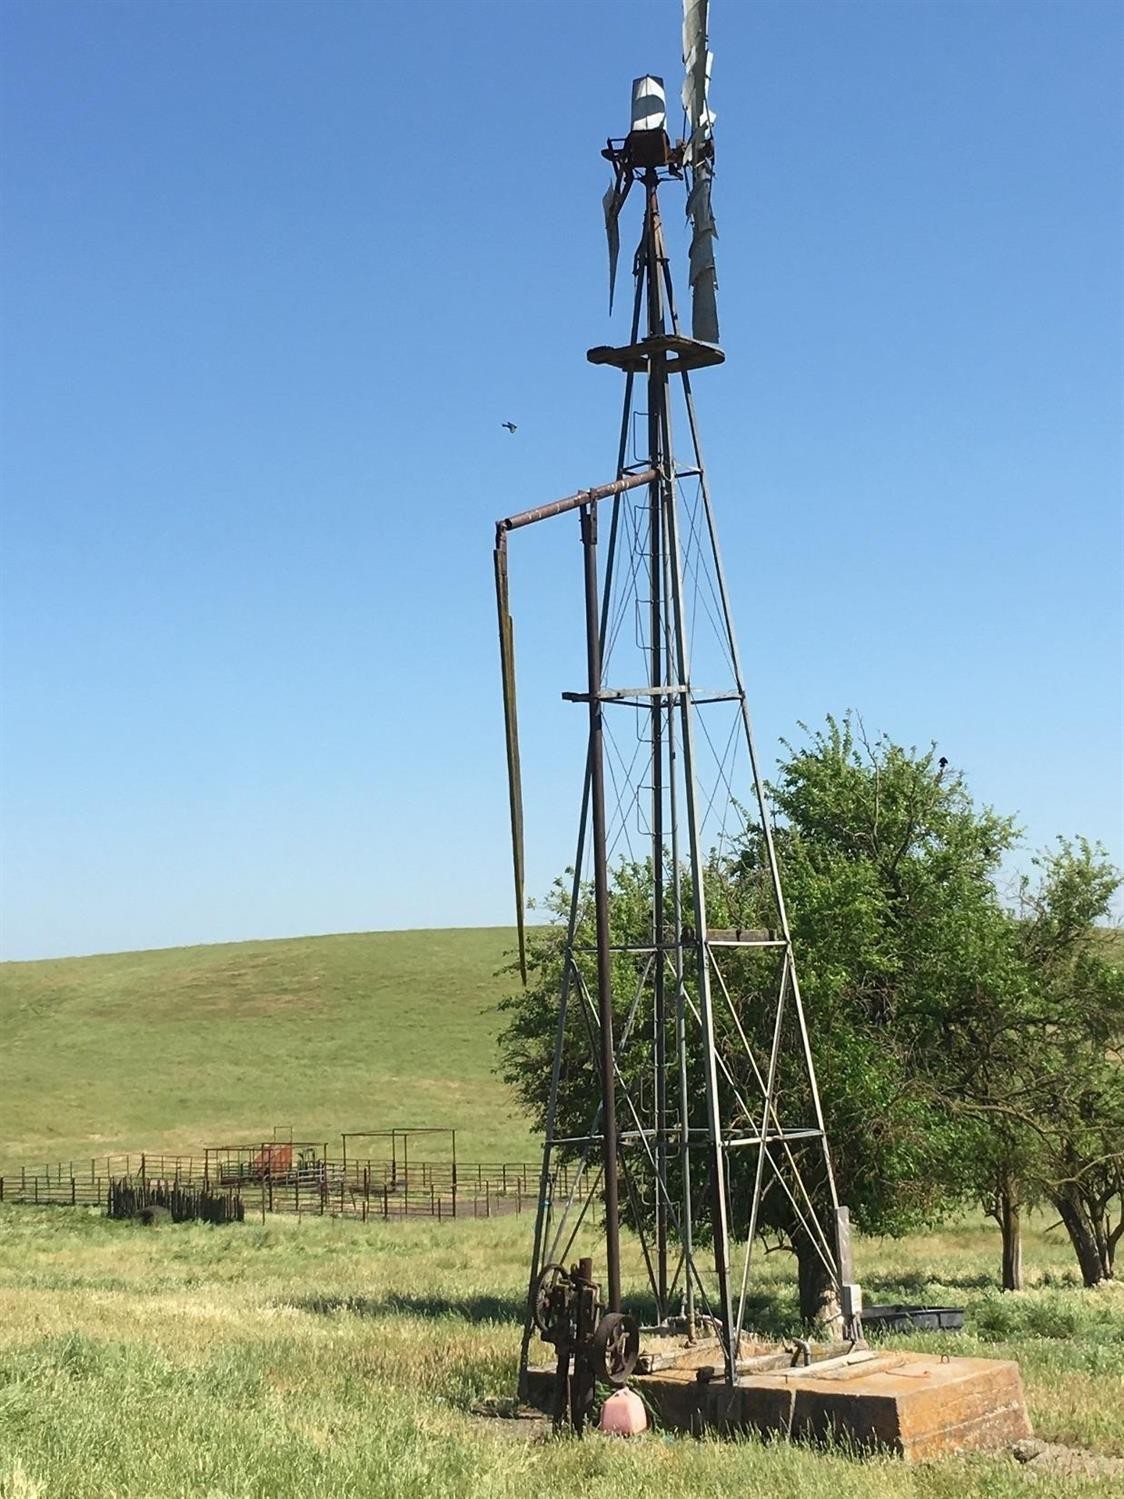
point(915, 1405)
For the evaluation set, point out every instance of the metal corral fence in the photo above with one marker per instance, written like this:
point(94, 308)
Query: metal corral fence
point(311, 1184)
point(140, 1197)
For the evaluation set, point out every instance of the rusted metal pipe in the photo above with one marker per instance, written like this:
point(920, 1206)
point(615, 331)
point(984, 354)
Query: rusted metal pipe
point(572, 502)
point(601, 905)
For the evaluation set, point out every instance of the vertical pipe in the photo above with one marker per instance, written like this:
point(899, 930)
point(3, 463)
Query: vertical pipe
point(657, 394)
point(601, 906)
point(543, 1204)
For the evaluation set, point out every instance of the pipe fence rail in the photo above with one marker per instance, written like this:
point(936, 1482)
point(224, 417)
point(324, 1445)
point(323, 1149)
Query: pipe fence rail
point(270, 1182)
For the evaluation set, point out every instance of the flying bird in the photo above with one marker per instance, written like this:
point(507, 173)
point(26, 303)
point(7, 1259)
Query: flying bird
point(509, 425)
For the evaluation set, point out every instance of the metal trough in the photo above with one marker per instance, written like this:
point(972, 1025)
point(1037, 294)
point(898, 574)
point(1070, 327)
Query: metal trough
point(913, 1318)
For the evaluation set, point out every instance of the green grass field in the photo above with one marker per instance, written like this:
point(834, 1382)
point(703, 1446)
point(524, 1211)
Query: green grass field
point(317, 1357)
point(324, 1358)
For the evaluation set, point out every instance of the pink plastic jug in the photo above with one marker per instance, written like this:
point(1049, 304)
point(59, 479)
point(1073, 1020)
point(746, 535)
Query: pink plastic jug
point(623, 1414)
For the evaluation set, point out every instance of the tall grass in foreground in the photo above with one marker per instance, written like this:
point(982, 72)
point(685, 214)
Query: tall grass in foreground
point(325, 1358)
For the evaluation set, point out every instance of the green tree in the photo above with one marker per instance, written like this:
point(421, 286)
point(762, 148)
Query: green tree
point(889, 873)
point(1068, 1076)
point(1036, 1058)
point(964, 1050)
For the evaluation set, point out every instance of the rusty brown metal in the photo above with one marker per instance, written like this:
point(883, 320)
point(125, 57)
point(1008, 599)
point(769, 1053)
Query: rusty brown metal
point(589, 1343)
point(506, 626)
point(679, 352)
point(609, 1162)
point(572, 502)
point(511, 742)
point(915, 1406)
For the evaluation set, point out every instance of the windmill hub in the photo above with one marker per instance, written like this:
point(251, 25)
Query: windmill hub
point(647, 143)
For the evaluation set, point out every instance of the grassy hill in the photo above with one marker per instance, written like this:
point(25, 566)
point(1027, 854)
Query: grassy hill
point(181, 1047)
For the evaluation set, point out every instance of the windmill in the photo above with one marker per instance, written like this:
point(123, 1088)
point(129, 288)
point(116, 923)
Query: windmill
point(681, 1033)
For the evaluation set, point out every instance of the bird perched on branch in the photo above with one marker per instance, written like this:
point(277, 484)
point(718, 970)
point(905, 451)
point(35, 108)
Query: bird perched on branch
point(509, 425)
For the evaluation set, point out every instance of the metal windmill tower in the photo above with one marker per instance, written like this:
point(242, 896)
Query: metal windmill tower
point(684, 1030)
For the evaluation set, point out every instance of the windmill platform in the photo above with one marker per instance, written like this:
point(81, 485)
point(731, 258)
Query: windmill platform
point(917, 1406)
point(679, 353)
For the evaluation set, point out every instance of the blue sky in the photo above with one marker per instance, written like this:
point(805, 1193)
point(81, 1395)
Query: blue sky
point(274, 274)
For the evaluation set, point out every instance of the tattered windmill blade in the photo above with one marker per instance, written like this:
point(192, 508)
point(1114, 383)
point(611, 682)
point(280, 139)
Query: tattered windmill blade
point(613, 202)
point(698, 157)
point(511, 738)
point(703, 274)
point(697, 60)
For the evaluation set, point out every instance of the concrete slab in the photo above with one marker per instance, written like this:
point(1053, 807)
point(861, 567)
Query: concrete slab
point(919, 1406)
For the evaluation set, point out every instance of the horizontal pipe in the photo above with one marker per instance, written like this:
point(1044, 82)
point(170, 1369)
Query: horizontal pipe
point(573, 502)
point(777, 1137)
point(626, 1136)
point(614, 694)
